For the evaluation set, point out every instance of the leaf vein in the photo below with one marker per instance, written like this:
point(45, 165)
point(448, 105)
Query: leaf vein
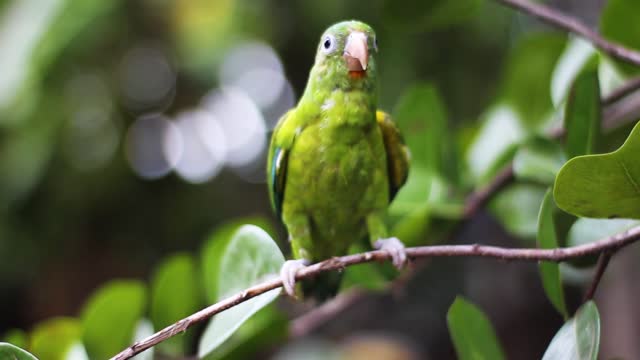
point(635, 185)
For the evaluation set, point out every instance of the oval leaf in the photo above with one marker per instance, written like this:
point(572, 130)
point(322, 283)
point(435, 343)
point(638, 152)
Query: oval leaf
point(576, 55)
point(110, 317)
point(538, 160)
point(587, 230)
point(214, 246)
point(8, 351)
point(472, 333)
point(547, 239)
point(175, 294)
point(248, 257)
point(54, 338)
point(604, 185)
point(517, 208)
point(582, 117)
point(620, 22)
point(579, 338)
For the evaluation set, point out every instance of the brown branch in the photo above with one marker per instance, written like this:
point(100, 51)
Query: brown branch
point(603, 261)
point(479, 198)
point(608, 244)
point(571, 24)
point(624, 90)
point(318, 316)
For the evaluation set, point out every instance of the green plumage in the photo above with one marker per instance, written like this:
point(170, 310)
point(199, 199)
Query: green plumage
point(335, 162)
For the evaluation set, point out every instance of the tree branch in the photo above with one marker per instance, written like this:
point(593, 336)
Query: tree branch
point(603, 261)
point(571, 24)
point(608, 244)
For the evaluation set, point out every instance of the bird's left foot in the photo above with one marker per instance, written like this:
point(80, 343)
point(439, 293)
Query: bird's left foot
point(395, 248)
point(288, 274)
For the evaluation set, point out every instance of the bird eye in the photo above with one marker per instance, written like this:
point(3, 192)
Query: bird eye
point(375, 43)
point(328, 44)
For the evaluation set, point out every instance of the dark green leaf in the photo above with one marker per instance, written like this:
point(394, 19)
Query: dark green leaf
point(517, 208)
point(577, 55)
point(16, 337)
point(582, 117)
point(547, 239)
point(12, 352)
point(110, 317)
point(54, 338)
point(538, 160)
point(429, 15)
point(495, 142)
point(603, 185)
point(472, 334)
point(620, 22)
point(422, 119)
point(579, 338)
point(528, 74)
point(248, 257)
point(175, 294)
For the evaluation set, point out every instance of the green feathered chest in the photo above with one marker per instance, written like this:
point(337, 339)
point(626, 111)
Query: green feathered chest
point(337, 170)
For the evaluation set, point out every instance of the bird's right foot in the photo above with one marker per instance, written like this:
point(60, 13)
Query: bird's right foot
point(288, 273)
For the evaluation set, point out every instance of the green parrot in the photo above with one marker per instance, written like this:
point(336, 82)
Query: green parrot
point(335, 161)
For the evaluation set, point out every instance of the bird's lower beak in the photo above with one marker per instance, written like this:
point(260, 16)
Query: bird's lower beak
point(356, 52)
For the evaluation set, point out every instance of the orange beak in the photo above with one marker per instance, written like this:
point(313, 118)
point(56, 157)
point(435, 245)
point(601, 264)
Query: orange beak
point(356, 52)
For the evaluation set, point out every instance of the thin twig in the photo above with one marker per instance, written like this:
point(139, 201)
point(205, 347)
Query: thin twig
point(571, 24)
point(603, 261)
point(317, 317)
point(479, 198)
point(624, 90)
point(608, 244)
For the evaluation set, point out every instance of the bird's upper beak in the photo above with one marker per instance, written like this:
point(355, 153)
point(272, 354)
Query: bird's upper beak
point(356, 52)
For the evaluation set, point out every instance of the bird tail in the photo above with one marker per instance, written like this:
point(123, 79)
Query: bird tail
point(323, 286)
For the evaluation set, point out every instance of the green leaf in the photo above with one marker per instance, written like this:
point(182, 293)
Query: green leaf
point(517, 208)
point(12, 352)
point(472, 334)
point(264, 328)
point(17, 337)
point(603, 185)
point(582, 118)
point(34, 48)
point(175, 294)
point(422, 119)
point(579, 338)
point(538, 160)
point(577, 54)
point(495, 142)
point(585, 230)
point(620, 22)
point(245, 259)
point(54, 338)
point(110, 317)
point(528, 74)
point(429, 15)
point(214, 245)
point(547, 239)
point(414, 194)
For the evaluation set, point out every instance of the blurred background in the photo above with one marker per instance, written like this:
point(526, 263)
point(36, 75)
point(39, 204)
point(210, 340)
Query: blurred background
point(130, 129)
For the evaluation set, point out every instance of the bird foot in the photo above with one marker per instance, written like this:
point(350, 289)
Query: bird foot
point(288, 273)
point(395, 248)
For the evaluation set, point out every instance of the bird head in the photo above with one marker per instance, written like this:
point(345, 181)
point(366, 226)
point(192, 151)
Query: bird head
point(346, 54)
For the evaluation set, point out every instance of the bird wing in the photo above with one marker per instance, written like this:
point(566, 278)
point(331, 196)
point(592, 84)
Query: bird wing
point(398, 155)
point(279, 148)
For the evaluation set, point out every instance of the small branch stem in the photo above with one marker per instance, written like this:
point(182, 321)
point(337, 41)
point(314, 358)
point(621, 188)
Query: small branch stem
point(608, 244)
point(573, 25)
point(603, 261)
